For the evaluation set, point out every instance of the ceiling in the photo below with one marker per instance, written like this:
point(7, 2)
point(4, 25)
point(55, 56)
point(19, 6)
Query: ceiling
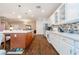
point(27, 10)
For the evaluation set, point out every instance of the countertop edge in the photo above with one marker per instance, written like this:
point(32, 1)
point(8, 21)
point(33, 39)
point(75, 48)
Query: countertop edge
point(75, 38)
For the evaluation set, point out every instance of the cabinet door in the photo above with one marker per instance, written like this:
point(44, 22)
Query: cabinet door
point(72, 11)
point(18, 40)
point(77, 51)
point(28, 39)
point(62, 44)
point(48, 36)
point(77, 47)
point(77, 44)
point(67, 49)
point(56, 42)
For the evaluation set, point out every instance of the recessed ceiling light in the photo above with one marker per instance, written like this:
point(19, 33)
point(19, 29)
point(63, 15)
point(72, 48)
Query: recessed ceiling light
point(19, 16)
point(29, 10)
point(42, 10)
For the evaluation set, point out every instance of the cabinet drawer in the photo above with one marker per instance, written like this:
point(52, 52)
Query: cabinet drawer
point(77, 51)
point(67, 49)
point(77, 44)
point(69, 41)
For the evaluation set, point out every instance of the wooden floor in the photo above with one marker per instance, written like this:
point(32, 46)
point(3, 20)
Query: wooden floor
point(40, 46)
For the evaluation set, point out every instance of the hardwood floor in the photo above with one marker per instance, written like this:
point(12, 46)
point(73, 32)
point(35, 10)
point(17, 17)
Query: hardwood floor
point(39, 46)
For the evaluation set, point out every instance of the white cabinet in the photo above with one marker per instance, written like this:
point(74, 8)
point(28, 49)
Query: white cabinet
point(77, 51)
point(64, 46)
point(48, 36)
point(56, 42)
point(67, 46)
point(67, 49)
point(68, 40)
point(76, 48)
point(77, 44)
point(61, 14)
point(72, 10)
point(65, 13)
point(54, 18)
point(58, 17)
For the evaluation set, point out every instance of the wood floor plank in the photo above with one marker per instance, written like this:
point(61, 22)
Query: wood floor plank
point(40, 46)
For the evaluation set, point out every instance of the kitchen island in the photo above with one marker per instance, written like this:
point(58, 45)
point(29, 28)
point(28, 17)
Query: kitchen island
point(18, 38)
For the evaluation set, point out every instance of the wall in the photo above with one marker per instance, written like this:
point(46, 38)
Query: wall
point(20, 24)
point(33, 24)
point(40, 25)
point(2, 24)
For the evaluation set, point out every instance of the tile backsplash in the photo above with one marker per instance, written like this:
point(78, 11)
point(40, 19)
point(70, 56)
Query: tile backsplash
point(69, 28)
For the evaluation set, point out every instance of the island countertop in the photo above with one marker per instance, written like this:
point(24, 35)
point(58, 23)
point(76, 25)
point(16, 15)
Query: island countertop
point(23, 34)
point(16, 31)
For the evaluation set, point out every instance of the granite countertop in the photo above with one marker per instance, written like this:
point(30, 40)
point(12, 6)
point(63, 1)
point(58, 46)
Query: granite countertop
point(68, 35)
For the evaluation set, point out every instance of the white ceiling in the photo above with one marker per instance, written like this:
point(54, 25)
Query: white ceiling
point(27, 10)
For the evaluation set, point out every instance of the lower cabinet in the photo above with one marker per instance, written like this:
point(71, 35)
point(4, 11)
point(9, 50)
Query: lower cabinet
point(77, 44)
point(62, 47)
point(55, 41)
point(76, 48)
point(77, 51)
point(67, 49)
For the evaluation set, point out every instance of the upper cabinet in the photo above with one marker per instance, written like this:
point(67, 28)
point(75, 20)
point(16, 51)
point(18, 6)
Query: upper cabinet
point(61, 14)
point(72, 11)
point(66, 13)
point(54, 19)
point(58, 16)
